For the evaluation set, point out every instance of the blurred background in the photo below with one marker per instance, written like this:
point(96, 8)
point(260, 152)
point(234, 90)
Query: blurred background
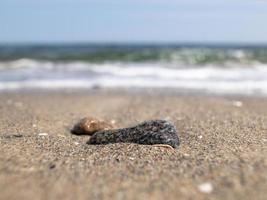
point(209, 46)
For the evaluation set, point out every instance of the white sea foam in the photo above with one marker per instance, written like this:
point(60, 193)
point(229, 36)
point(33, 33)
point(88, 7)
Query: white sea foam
point(27, 73)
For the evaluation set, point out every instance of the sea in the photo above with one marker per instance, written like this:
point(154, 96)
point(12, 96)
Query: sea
point(210, 69)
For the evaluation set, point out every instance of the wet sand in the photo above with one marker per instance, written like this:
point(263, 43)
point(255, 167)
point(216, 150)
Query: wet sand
point(223, 151)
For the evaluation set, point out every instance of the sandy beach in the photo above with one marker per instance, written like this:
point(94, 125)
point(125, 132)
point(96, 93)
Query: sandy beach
point(223, 151)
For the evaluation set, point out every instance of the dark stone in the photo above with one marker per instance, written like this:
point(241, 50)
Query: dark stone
point(148, 132)
point(11, 136)
point(52, 166)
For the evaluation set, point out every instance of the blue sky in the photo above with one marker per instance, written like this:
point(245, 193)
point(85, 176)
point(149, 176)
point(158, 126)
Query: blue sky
point(231, 21)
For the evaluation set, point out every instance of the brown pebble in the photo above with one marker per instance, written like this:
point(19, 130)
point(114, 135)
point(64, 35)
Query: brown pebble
point(90, 125)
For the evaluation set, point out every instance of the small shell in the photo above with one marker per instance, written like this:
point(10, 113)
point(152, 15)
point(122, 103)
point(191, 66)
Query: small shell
point(90, 125)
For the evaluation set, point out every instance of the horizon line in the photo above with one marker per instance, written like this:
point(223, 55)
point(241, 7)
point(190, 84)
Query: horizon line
point(135, 43)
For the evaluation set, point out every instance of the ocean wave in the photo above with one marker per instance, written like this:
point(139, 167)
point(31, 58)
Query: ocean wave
point(211, 78)
point(212, 87)
point(257, 71)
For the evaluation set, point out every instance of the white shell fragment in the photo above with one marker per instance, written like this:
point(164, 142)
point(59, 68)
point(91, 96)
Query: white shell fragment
point(42, 134)
point(205, 187)
point(237, 103)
